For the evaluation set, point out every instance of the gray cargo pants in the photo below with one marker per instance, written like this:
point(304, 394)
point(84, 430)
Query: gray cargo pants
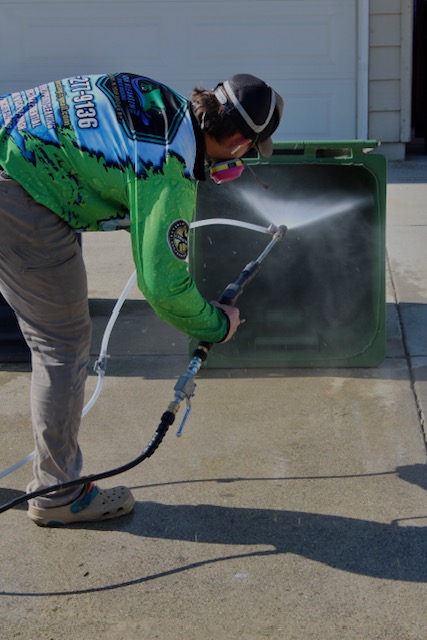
point(43, 278)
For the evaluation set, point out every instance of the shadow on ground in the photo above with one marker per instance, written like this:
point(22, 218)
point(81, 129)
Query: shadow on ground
point(389, 551)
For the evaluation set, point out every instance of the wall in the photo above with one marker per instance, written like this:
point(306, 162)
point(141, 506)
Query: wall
point(390, 75)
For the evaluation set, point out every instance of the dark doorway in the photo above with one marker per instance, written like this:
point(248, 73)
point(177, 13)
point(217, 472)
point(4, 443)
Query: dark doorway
point(419, 78)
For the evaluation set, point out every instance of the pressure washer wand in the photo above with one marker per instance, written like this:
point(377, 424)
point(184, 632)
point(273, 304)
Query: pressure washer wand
point(235, 289)
point(185, 386)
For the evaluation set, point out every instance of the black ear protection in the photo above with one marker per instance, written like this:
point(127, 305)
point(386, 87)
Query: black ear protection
point(228, 170)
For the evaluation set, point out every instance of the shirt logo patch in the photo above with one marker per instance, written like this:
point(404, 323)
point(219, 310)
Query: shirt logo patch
point(178, 238)
point(144, 107)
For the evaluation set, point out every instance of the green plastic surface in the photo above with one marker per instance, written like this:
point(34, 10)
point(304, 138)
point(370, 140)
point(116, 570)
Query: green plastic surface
point(319, 298)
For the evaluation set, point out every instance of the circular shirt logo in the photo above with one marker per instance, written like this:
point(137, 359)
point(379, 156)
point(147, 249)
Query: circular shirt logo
point(178, 238)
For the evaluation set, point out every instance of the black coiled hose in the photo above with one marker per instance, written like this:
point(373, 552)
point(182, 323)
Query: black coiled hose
point(184, 387)
point(167, 419)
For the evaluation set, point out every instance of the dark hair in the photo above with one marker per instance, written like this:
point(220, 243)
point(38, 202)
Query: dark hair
point(211, 114)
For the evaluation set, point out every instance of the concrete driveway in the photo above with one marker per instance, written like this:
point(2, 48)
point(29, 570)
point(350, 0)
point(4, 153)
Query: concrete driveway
point(294, 506)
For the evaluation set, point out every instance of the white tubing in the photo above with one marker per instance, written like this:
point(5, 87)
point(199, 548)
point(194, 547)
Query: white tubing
point(100, 364)
point(115, 314)
point(230, 222)
point(15, 466)
point(99, 368)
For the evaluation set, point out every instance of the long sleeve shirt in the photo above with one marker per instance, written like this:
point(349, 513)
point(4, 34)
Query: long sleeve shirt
point(107, 152)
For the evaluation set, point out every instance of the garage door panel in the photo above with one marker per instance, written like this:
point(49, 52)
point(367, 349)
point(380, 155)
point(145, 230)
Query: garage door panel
point(62, 44)
point(321, 111)
point(304, 48)
point(293, 46)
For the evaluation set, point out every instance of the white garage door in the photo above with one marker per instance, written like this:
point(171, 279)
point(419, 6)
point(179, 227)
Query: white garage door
point(307, 49)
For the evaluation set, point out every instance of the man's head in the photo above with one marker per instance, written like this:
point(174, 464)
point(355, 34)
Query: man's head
point(254, 107)
point(242, 105)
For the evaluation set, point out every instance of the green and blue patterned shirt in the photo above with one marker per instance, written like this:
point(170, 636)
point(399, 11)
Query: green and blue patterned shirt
point(118, 151)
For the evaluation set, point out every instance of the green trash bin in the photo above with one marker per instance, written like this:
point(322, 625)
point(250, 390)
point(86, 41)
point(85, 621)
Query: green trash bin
point(319, 298)
point(13, 347)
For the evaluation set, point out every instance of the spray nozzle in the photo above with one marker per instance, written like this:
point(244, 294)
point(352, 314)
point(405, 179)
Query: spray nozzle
point(271, 229)
point(277, 232)
point(281, 231)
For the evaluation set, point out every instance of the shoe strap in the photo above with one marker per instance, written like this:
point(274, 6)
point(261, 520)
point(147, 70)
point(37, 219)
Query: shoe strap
point(89, 493)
